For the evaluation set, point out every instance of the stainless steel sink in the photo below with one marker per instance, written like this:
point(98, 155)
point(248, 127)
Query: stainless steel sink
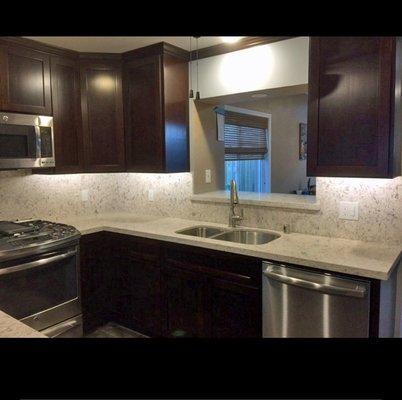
point(201, 231)
point(247, 236)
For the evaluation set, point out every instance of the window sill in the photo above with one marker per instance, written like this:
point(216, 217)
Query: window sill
point(272, 200)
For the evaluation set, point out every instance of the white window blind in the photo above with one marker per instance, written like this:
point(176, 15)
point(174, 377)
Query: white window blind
point(245, 136)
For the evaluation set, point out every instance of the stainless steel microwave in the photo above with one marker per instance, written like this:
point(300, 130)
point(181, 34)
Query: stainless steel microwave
point(26, 141)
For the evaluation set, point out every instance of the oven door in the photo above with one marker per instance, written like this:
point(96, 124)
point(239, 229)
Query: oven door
point(43, 290)
point(19, 141)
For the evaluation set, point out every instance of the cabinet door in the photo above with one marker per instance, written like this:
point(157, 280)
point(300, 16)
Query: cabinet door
point(137, 295)
point(102, 114)
point(25, 80)
point(235, 310)
point(185, 303)
point(350, 106)
point(67, 115)
point(143, 99)
point(176, 113)
point(96, 280)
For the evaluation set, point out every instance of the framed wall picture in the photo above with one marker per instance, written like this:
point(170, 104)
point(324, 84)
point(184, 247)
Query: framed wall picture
point(302, 141)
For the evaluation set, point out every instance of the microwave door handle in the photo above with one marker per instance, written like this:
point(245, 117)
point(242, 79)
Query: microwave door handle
point(358, 291)
point(37, 263)
point(38, 142)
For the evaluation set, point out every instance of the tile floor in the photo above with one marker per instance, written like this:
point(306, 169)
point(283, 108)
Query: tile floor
point(114, 331)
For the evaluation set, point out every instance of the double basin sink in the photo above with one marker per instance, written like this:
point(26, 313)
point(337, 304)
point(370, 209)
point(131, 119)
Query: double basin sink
point(244, 236)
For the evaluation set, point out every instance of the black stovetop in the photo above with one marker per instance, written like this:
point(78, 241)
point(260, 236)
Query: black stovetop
point(32, 233)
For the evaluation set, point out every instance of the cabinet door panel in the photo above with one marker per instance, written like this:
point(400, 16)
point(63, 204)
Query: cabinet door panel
point(185, 303)
point(67, 115)
point(176, 113)
point(350, 111)
point(102, 111)
point(143, 115)
point(26, 75)
point(96, 281)
point(235, 310)
point(137, 295)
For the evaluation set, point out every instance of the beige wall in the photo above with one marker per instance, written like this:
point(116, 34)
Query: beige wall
point(274, 65)
point(206, 151)
point(288, 173)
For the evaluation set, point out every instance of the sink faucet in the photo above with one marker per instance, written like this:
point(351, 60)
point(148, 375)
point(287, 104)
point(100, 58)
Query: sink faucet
point(234, 201)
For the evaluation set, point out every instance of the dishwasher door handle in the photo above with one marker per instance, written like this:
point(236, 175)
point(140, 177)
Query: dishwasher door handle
point(358, 291)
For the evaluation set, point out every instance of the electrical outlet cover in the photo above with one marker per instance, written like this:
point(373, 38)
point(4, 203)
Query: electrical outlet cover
point(208, 176)
point(84, 195)
point(349, 210)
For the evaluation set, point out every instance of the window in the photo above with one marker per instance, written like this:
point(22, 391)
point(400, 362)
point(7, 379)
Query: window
point(246, 151)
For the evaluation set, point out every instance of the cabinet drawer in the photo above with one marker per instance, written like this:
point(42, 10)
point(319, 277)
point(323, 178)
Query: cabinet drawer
point(192, 257)
point(231, 267)
point(135, 247)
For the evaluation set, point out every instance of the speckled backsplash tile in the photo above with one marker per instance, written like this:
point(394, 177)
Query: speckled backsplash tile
point(23, 195)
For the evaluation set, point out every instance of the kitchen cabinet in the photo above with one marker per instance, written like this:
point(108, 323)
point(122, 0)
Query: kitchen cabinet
point(136, 293)
point(25, 80)
point(235, 309)
point(155, 81)
point(165, 289)
point(210, 293)
point(102, 113)
point(185, 311)
point(67, 122)
point(354, 115)
point(97, 278)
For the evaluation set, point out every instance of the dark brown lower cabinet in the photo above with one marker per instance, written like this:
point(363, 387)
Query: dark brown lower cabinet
point(185, 298)
point(235, 310)
point(163, 289)
point(137, 285)
point(96, 280)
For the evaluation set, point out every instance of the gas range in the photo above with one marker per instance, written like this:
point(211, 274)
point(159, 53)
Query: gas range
point(22, 238)
point(39, 276)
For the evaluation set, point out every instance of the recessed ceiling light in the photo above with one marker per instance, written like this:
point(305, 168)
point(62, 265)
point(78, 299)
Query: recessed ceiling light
point(230, 39)
point(259, 95)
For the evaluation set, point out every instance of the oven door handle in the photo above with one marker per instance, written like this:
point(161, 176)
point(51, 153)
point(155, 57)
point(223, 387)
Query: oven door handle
point(37, 263)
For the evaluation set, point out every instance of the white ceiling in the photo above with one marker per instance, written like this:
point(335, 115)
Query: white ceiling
point(120, 44)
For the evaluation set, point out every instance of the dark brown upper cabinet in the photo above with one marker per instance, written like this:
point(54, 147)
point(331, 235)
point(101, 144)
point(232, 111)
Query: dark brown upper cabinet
point(25, 80)
point(155, 81)
point(354, 112)
point(65, 82)
point(102, 113)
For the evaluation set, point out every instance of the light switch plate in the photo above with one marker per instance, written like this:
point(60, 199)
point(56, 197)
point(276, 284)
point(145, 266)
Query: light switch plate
point(349, 210)
point(208, 176)
point(84, 195)
point(151, 195)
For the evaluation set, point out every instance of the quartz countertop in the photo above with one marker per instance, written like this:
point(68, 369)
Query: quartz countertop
point(364, 259)
point(12, 328)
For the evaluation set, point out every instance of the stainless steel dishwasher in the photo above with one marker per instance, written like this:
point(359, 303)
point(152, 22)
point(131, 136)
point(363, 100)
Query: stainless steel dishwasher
point(300, 303)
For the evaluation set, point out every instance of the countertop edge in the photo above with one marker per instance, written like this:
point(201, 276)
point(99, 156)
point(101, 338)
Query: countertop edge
point(299, 206)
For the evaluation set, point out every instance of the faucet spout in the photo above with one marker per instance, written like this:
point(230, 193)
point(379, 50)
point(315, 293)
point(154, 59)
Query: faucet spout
point(234, 197)
point(234, 200)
